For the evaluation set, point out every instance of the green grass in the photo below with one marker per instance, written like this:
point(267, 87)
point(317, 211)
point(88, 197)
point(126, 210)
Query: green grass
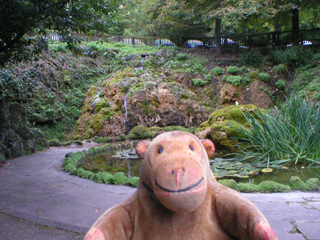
point(286, 136)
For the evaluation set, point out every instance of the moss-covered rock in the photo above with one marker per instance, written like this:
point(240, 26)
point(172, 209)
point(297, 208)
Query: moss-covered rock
point(221, 126)
point(271, 186)
point(129, 99)
point(140, 132)
point(296, 183)
point(231, 183)
point(54, 143)
point(313, 184)
point(247, 187)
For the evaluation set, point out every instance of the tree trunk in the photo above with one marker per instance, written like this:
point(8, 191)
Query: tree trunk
point(218, 36)
point(295, 26)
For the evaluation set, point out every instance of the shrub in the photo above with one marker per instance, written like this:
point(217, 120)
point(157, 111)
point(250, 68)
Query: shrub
point(133, 181)
point(281, 69)
point(235, 80)
point(182, 56)
point(199, 82)
point(252, 58)
point(290, 135)
point(292, 57)
point(233, 69)
point(106, 177)
point(208, 77)
point(264, 77)
point(218, 71)
point(198, 67)
point(280, 83)
point(189, 70)
point(120, 178)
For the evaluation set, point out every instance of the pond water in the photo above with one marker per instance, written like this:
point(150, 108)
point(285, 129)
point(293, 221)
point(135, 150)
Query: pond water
point(113, 161)
point(126, 160)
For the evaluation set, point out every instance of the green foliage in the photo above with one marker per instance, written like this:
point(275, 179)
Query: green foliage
point(57, 46)
point(104, 177)
point(2, 158)
point(182, 57)
point(208, 77)
point(54, 143)
point(133, 181)
point(218, 71)
point(52, 89)
point(231, 183)
point(264, 77)
point(252, 58)
point(140, 132)
point(271, 186)
point(120, 178)
point(233, 69)
point(38, 17)
point(247, 187)
point(296, 183)
point(199, 82)
point(235, 80)
point(281, 69)
point(280, 83)
point(102, 139)
point(289, 135)
point(292, 57)
point(313, 184)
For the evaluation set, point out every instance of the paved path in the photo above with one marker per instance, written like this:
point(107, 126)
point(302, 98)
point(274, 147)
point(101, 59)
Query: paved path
point(35, 190)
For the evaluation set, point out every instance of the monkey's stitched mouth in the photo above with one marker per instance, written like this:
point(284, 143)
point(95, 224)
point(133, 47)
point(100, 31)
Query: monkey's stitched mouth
point(179, 190)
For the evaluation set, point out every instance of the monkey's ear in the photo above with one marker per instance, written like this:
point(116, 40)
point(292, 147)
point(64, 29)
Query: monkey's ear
point(142, 147)
point(208, 146)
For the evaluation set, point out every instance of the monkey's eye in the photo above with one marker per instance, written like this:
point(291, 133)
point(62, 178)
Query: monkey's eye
point(191, 147)
point(160, 150)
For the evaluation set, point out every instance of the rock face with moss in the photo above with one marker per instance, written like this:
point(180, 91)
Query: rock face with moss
point(16, 137)
point(135, 97)
point(220, 127)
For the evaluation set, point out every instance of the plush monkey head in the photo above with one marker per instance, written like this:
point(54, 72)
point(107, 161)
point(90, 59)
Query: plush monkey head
point(176, 168)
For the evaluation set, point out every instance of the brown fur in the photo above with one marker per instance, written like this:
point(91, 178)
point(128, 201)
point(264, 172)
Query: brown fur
point(179, 198)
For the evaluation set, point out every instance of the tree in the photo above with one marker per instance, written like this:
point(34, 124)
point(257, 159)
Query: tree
point(21, 19)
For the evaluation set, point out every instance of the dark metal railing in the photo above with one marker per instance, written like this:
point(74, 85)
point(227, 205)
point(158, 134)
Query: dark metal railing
point(277, 38)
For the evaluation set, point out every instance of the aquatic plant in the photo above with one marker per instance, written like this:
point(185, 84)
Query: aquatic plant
point(289, 135)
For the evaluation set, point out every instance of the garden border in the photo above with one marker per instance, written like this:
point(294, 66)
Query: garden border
point(73, 159)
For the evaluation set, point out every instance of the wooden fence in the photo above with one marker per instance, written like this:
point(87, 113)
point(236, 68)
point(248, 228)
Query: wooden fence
point(285, 38)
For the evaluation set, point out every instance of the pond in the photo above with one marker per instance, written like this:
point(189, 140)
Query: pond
point(256, 173)
point(126, 161)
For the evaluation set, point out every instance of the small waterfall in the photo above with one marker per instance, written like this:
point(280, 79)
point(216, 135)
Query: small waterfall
point(143, 58)
point(126, 120)
point(125, 105)
point(96, 99)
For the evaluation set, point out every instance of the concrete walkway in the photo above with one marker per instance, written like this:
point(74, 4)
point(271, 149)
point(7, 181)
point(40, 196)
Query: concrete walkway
point(35, 190)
